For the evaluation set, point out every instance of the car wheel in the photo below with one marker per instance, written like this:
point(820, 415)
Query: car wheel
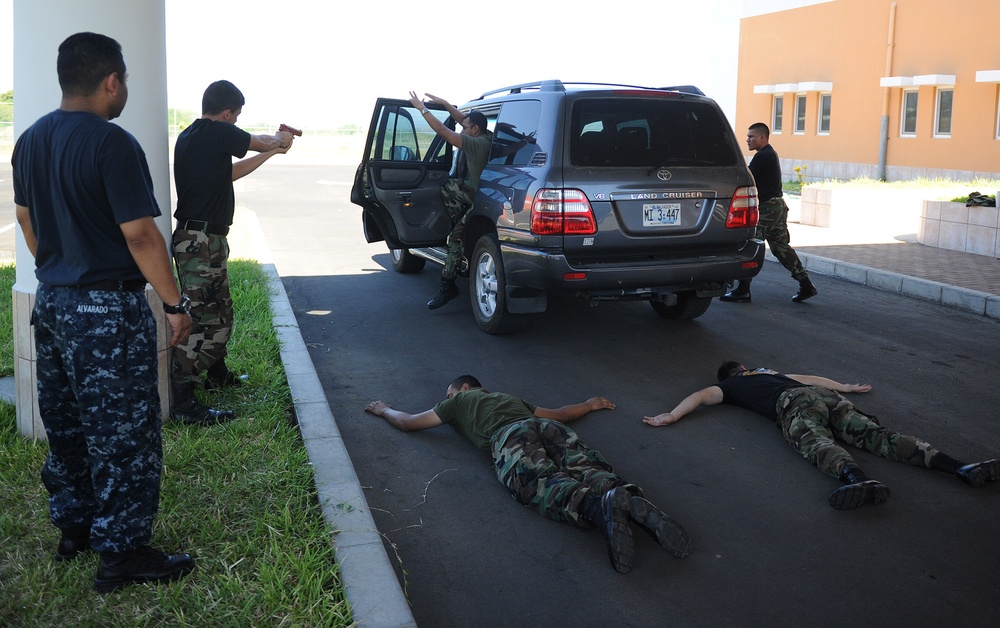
point(487, 290)
point(688, 306)
point(405, 262)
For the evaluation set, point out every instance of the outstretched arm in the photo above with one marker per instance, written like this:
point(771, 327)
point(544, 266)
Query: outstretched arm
point(813, 380)
point(704, 397)
point(267, 146)
point(404, 420)
point(574, 411)
point(452, 137)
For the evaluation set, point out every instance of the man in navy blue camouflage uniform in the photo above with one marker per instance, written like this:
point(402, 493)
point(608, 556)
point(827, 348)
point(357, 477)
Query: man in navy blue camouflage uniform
point(84, 201)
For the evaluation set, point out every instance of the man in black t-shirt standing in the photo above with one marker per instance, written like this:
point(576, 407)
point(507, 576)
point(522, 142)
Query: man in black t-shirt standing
point(812, 414)
point(773, 227)
point(204, 173)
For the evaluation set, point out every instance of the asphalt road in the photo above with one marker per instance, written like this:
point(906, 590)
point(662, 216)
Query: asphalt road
point(766, 547)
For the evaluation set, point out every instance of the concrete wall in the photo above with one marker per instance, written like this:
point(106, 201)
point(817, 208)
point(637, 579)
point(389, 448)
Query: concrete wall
point(846, 43)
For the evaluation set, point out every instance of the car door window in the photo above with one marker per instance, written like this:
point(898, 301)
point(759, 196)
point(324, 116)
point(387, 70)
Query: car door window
point(514, 133)
point(405, 135)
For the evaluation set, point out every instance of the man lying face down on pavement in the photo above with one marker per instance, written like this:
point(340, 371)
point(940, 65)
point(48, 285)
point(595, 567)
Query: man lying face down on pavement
point(544, 465)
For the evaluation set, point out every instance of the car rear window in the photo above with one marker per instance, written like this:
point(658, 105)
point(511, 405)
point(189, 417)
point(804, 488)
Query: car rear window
point(650, 132)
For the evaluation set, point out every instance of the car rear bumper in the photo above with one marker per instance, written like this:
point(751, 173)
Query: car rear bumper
point(526, 268)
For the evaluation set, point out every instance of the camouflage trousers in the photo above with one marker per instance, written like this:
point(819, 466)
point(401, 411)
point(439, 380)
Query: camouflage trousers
point(458, 196)
point(546, 467)
point(202, 267)
point(812, 418)
point(773, 227)
point(98, 400)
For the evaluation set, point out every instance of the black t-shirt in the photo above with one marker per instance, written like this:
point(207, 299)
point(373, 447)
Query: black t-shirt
point(766, 170)
point(203, 170)
point(81, 177)
point(757, 390)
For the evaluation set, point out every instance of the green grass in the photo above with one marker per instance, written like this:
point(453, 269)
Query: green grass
point(239, 497)
point(8, 274)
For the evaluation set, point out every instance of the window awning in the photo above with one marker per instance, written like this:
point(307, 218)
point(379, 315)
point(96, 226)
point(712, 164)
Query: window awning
point(937, 80)
point(802, 86)
point(988, 76)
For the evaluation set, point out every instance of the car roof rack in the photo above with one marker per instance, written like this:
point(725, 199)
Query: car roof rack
point(560, 86)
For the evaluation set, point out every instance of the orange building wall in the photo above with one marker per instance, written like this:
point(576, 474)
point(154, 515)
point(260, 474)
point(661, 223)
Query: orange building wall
point(845, 42)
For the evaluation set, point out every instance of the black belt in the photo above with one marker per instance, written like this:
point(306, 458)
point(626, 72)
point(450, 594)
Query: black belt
point(210, 228)
point(129, 285)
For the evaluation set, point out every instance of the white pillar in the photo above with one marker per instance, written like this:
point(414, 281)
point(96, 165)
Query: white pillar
point(39, 27)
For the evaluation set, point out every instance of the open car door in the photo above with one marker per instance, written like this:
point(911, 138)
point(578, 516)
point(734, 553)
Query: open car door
point(398, 183)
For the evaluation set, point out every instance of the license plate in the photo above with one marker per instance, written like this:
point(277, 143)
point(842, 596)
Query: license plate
point(661, 214)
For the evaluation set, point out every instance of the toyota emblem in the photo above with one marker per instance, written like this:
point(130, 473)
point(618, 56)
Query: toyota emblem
point(663, 175)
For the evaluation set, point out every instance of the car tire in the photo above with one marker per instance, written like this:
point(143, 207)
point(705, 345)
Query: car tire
point(487, 290)
point(688, 306)
point(405, 262)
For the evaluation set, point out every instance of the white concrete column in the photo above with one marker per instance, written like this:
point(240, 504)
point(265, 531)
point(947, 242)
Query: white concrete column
point(39, 27)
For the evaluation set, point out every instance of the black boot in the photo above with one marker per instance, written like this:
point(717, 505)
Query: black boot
point(609, 513)
point(186, 409)
point(664, 530)
point(446, 292)
point(806, 290)
point(72, 542)
point(219, 376)
point(858, 490)
point(138, 566)
point(739, 294)
point(979, 473)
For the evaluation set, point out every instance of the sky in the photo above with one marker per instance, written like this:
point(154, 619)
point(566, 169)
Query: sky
point(322, 64)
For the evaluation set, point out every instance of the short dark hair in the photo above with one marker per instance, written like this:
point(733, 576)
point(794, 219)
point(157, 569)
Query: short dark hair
point(219, 96)
point(479, 119)
point(462, 380)
point(86, 59)
point(728, 369)
point(761, 128)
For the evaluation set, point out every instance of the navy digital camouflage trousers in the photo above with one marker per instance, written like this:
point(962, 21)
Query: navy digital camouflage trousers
point(812, 418)
point(203, 270)
point(773, 227)
point(98, 400)
point(458, 197)
point(546, 467)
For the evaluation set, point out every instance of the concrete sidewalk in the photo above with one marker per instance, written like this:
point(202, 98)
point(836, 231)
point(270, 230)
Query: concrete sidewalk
point(884, 259)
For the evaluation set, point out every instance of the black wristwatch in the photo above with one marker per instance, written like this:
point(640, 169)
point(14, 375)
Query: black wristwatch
point(184, 307)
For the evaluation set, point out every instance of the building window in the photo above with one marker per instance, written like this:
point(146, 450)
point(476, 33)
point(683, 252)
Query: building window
point(800, 113)
point(908, 116)
point(942, 117)
point(777, 114)
point(824, 113)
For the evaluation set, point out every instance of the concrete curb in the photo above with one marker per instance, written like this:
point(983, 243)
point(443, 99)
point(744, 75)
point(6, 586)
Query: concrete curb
point(973, 301)
point(371, 586)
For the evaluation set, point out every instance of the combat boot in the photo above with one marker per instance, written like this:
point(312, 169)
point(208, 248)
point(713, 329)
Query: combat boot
point(219, 376)
point(740, 294)
point(145, 564)
point(72, 542)
point(186, 408)
point(609, 513)
point(979, 473)
point(806, 291)
point(664, 530)
point(446, 292)
point(858, 490)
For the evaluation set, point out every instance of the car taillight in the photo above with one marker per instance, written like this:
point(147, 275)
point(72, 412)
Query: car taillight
point(562, 212)
point(743, 210)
